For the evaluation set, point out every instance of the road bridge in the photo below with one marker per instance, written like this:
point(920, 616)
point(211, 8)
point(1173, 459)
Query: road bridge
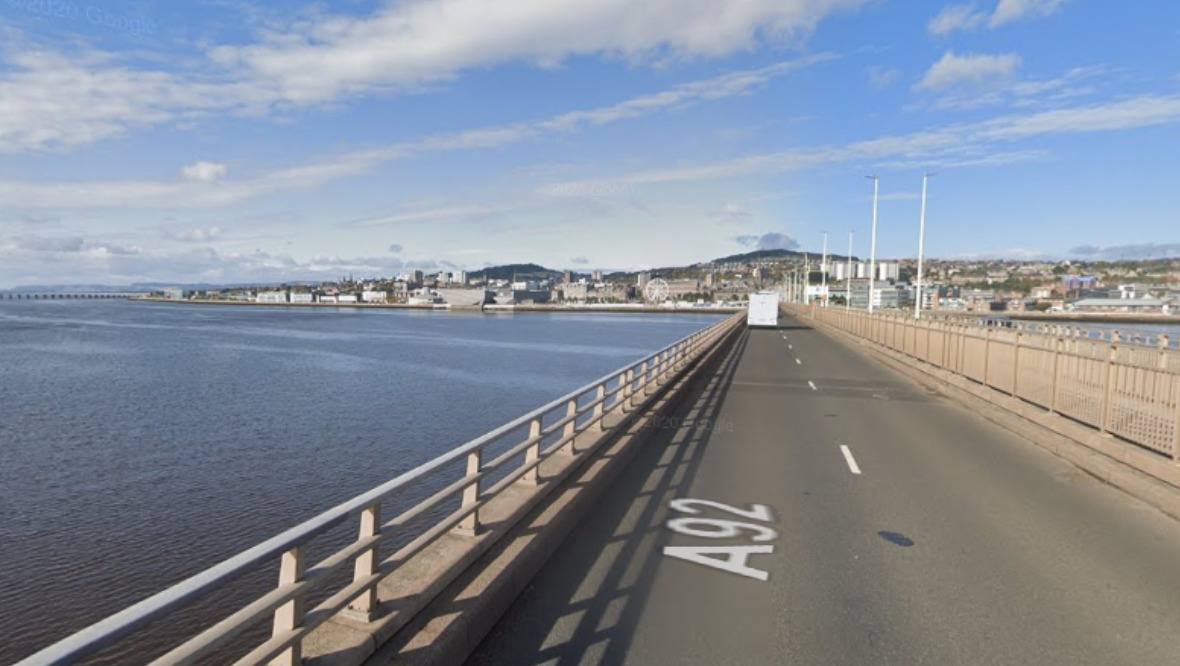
point(822, 509)
point(749, 497)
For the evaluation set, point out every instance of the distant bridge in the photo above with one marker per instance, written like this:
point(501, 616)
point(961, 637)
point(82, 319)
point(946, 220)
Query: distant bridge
point(46, 296)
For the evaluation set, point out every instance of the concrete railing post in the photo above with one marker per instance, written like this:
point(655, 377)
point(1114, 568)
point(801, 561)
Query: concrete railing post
point(600, 397)
point(1057, 346)
point(532, 454)
point(290, 615)
point(1016, 365)
point(1108, 385)
point(469, 525)
point(366, 564)
point(1162, 343)
point(630, 388)
point(571, 427)
point(987, 348)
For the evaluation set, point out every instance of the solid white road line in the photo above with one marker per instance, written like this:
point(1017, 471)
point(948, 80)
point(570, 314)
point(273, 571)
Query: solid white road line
point(849, 459)
point(812, 385)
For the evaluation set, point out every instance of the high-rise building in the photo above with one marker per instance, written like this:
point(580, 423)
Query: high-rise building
point(597, 276)
point(459, 277)
point(567, 277)
point(416, 277)
point(644, 278)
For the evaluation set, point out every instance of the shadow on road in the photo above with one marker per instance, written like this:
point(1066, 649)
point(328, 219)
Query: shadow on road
point(584, 605)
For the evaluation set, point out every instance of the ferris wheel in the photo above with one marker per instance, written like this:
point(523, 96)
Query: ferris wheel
point(656, 291)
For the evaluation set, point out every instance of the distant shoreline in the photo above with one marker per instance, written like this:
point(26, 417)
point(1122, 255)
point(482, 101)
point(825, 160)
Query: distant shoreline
point(492, 309)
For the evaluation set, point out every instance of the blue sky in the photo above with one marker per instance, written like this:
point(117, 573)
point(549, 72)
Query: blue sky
point(227, 141)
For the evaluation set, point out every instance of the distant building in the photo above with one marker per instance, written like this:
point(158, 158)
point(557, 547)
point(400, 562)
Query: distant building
point(346, 298)
point(424, 296)
point(271, 297)
point(1137, 305)
point(596, 276)
point(175, 293)
point(416, 277)
point(302, 297)
point(885, 296)
point(577, 292)
point(374, 296)
point(459, 277)
point(643, 279)
point(567, 277)
point(888, 271)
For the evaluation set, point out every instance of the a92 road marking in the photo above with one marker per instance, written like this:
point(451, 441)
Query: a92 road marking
point(736, 557)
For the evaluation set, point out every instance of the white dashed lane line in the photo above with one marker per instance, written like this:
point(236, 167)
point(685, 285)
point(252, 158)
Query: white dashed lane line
point(852, 466)
point(812, 385)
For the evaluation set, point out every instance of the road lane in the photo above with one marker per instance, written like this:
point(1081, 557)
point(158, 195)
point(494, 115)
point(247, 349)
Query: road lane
point(964, 545)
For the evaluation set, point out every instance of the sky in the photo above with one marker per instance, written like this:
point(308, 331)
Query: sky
point(228, 141)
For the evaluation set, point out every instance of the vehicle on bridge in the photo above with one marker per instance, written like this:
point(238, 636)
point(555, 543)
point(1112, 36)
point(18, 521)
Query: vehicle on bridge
point(763, 310)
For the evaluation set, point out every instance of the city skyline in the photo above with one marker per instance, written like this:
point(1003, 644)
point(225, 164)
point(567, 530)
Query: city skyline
point(227, 143)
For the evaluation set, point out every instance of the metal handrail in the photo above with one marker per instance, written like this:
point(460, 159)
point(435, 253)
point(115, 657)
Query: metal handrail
point(113, 629)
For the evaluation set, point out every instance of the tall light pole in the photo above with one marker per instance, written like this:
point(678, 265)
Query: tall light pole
point(921, 249)
point(873, 243)
point(848, 276)
point(823, 268)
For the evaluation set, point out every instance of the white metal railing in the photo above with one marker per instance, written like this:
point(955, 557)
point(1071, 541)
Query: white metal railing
point(1128, 390)
point(285, 603)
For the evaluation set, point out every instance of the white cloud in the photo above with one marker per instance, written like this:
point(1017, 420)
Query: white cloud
point(968, 17)
point(956, 17)
point(409, 44)
point(204, 172)
point(960, 145)
point(882, 77)
point(970, 69)
point(1008, 11)
point(194, 193)
point(51, 99)
point(198, 234)
point(1075, 83)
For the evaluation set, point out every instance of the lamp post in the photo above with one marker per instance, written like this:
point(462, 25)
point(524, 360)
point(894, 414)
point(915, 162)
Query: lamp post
point(921, 249)
point(873, 243)
point(848, 276)
point(823, 273)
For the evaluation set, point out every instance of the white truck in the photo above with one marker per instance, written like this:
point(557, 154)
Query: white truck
point(763, 309)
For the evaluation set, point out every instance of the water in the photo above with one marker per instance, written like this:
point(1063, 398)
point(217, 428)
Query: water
point(141, 443)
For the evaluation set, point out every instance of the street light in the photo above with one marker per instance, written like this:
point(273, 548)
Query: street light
point(873, 243)
point(823, 268)
point(848, 277)
point(921, 249)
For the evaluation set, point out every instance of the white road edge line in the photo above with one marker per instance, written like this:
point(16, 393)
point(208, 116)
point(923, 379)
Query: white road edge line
point(812, 385)
point(849, 459)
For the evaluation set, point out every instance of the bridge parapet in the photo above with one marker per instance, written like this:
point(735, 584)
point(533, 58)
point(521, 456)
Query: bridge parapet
point(1131, 391)
point(466, 490)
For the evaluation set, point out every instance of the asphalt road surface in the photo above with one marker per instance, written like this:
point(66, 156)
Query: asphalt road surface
point(869, 522)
